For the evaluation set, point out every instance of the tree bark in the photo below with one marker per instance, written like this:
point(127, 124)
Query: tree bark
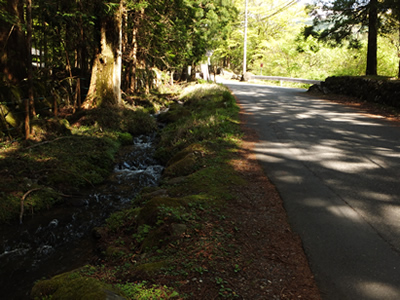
point(12, 40)
point(372, 38)
point(130, 73)
point(105, 85)
point(30, 106)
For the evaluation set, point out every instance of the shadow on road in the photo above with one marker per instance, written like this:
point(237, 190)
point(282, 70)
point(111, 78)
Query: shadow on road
point(338, 173)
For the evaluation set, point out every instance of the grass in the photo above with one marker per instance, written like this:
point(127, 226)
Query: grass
point(172, 231)
point(64, 157)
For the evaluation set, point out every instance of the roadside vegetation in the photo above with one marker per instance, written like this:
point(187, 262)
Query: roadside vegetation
point(172, 230)
point(281, 40)
point(68, 154)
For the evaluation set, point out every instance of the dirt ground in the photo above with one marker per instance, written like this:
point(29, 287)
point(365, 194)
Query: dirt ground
point(279, 268)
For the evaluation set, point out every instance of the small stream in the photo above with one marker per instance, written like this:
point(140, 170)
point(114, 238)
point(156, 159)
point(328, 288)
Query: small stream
point(60, 240)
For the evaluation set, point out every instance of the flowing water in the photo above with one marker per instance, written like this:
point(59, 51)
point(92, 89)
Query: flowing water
point(60, 240)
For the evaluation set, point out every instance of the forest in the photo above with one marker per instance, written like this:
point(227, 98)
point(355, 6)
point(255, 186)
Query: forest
point(57, 54)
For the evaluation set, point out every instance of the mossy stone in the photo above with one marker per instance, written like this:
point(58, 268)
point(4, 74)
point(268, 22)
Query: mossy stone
point(156, 238)
point(125, 138)
point(150, 269)
point(150, 212)
point(193, 148)
point(73, 285)
point(176, 111)
point(114, 252)
point(183, 167)
point(153, 194)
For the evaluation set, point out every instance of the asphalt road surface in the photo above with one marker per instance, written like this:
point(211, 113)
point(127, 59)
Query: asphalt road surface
point(338, 173)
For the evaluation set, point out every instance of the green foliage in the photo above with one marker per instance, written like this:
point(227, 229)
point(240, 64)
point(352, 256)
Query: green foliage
point(78, 153)
point(224, 291)
point(173, 231)
point(178, 34)
point(276, 40)
point(122, 220)
point(141, 233)
point(213, 115)
point(144, 291)
point(71, 285)
point(125, 138)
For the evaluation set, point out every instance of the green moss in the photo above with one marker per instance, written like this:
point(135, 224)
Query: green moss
point(156, 238)
point(150, 213)
point(9, 206)
point(72, 285)
point(122, 220)
point(47, 128)
point(175, 112)
point(138, 122)
point(125, 138)
point(183, 167)
point(196, 147)
point(12, 118)
point(114, 252)
point(150, 269)
point(144, 291)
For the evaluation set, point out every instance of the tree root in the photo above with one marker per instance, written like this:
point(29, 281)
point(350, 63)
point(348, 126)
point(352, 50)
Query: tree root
point(22, 202)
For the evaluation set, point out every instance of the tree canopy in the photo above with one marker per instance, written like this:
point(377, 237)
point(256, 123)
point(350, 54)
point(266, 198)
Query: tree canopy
point(350, 20)
point(69, 41)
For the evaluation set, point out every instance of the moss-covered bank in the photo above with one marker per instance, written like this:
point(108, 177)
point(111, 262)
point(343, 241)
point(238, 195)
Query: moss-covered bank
point(65, 156)
point(148, 250)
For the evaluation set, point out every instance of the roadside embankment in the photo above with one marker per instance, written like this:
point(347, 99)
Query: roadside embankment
point(215, 227)
point(382, 91)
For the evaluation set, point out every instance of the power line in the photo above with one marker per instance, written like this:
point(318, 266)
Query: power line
point(279, 10)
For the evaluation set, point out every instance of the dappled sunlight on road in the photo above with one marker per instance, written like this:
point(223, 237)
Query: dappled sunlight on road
point(372, 290)
point(338, 171)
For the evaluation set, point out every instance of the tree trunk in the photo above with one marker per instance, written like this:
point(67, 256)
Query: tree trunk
point(398, 74)
point(131, 65)
point(398, 48)
point(30, 106)
point(372, 38)
point(12, 40)
point(105, 85)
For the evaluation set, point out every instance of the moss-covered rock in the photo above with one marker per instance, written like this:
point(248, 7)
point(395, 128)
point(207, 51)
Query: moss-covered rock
point(149, 269)
point(183, 167)
point(194, 148)
point(125, 138)
point(176, 111)
point(114, 252)
point(184, 162)
point(156, 238)
point(73, 285)
point(46, 128)
point(152, 194)
point(152, 211)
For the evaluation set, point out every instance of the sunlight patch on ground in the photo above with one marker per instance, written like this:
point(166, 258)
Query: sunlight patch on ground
point(378, 290)
point(376, 196)
point(344, 211)
point(354, 167)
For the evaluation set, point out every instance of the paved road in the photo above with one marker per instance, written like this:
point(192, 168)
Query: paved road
point(338, 173)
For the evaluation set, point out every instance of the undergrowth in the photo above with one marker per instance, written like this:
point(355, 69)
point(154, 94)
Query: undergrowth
point(64, 156)
point(172, 232)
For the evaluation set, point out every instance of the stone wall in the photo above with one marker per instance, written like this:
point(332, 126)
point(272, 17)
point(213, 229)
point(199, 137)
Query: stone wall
point(372, 90)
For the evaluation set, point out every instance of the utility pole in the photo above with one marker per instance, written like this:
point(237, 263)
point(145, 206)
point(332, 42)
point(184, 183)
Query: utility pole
point(245, 41)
